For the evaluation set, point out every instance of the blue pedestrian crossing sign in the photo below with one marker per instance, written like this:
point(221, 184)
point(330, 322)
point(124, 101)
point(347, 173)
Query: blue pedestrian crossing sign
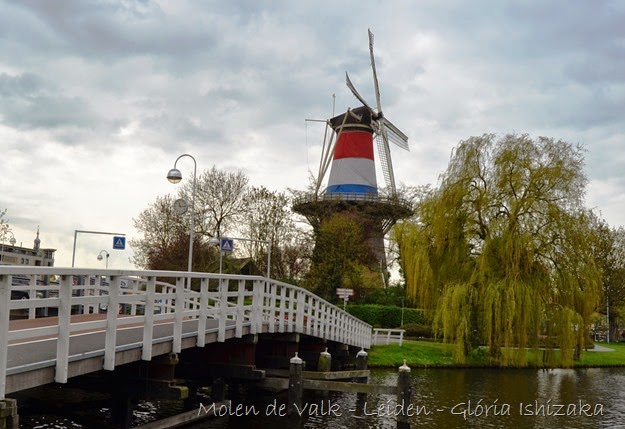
point(227, 245)
point(119, 243)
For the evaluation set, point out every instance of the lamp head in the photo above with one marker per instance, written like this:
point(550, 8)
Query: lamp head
point(99, 257)
point(12, 241)
point(174, 175)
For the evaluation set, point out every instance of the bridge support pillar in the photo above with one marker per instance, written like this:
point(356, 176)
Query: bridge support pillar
point(161, 378)
point(8, 414)
point(310, 348)
point(340, 356)
point(274, 350)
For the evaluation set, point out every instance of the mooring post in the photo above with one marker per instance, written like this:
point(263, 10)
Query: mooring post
point(362, 359)
point(404, 393)
point(325, 361)
point(296, 385)
point(8, 414)
point(324, 364)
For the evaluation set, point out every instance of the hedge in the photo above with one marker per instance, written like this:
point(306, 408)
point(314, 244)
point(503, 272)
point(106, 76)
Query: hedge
point(388, 316)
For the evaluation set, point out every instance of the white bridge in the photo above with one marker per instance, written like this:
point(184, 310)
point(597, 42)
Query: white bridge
point(57, 323)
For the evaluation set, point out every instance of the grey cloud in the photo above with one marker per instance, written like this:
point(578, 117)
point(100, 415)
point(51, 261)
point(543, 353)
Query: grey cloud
point(24, 85)
point(28, 102)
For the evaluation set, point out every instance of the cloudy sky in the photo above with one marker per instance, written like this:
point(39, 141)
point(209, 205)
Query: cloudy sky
point(98, 98)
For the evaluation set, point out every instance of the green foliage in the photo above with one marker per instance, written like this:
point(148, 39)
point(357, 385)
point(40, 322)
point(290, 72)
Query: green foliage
point(4, 225)
point(503, 250)
point(340, 258)
point(383, 316)
point(393, 295)
point(417, 330)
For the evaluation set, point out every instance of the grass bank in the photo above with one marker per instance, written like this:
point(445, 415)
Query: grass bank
point(424, 354)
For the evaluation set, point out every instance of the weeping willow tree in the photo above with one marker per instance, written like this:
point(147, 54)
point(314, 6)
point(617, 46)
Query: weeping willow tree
point(500, 249)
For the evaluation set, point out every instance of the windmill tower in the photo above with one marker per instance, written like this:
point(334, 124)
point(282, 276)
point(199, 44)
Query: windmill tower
point(348, 153)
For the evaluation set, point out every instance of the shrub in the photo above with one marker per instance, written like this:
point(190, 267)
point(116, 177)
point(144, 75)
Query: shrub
point(388, 316)
point(417, 330)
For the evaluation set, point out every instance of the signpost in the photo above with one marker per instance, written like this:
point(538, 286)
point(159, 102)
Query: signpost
point(344, 294)
point(119, 243)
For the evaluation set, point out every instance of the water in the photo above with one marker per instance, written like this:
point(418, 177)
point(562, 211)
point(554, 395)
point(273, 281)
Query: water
point(442, 398)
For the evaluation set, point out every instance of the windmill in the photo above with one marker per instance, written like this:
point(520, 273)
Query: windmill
point(348, 155)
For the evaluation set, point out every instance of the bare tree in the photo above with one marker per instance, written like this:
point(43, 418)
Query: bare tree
point(219, 201)
point(161, 228)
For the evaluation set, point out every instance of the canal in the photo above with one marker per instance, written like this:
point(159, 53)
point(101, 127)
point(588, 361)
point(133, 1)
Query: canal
point(442, 398)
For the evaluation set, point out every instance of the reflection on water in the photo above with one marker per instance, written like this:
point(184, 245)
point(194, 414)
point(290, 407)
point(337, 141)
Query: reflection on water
point(442, 398)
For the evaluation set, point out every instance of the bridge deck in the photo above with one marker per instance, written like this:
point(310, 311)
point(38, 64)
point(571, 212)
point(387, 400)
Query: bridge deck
point(31, 361)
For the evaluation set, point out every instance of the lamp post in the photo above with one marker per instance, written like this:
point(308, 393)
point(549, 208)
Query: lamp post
point(175, 176)
point(107, 257)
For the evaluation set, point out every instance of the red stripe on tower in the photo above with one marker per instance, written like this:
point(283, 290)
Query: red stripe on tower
point(354, 144)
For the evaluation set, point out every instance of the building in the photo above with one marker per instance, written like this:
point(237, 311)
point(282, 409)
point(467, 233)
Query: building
point(10, 254)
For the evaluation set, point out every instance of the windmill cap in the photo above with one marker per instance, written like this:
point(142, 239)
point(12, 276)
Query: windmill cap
point(362, 112)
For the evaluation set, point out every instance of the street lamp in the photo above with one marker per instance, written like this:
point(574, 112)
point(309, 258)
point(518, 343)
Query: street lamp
point(175, 176)
point(214, 241)
point(107, 257)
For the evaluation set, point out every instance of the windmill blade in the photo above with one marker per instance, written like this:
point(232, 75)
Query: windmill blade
point(375, 75)
point(385, 159)
point(350, 85)
point(394, 134)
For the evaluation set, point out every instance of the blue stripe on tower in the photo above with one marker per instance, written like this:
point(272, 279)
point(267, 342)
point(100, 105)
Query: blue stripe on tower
point(352, 189)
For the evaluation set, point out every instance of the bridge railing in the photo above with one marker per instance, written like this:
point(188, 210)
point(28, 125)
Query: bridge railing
point(126, 298)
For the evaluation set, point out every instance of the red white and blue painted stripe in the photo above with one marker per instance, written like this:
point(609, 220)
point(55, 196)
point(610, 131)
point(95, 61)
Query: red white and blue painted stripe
point(353, 168)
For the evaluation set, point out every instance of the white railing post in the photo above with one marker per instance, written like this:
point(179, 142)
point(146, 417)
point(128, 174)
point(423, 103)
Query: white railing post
point(272, 306)
point(62, 344)
point(223, 309)
point(201, 324)
point(323, 323)
point(148, 328)
point(301, 312)
point(310, 319)
point(257, 307)
point(112, 313)
point(5, 310)
point(281, 319)
point(32, 293)
point(240, 310)
point(291, 310)
point(317, 308)
point(179, 307)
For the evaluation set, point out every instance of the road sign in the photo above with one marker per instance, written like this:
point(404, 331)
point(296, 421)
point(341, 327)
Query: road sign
point(343, 292)
point(227, 245)
point(119, 243)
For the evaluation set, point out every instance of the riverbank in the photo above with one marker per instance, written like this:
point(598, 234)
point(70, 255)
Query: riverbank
point(430, 354)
